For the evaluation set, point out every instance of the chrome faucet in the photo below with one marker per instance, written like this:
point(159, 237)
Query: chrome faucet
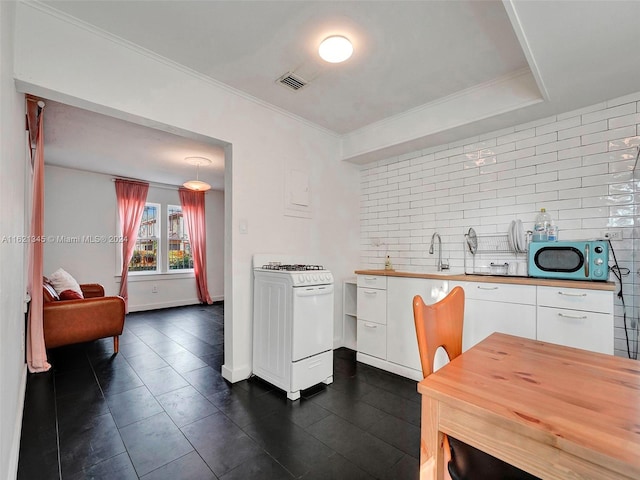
point(441, 265)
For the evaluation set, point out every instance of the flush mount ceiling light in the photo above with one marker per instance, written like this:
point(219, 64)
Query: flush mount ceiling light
point(196, 184)
point(335, 49)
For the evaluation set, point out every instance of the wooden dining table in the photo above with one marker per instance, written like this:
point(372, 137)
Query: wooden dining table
point(553, 411)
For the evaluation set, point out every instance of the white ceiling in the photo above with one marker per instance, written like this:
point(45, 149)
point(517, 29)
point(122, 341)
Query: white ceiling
point(407, 54)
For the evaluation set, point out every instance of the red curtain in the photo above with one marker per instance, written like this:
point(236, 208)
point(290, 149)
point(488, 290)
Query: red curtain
point(131, 199)
point(193, 214)
point(36, 351)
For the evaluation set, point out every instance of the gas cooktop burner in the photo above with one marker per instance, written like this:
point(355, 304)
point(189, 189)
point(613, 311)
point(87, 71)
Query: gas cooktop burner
point(292, 268)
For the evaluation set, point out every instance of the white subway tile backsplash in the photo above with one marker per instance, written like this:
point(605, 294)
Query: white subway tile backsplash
point(513, 173)
point(534, 141)
point(516, 136)
point(559, 165)
point(557, 146)
point(449, 152)
point(607, 113)
point(580, 130)
point(584, 192)
point(625, 120)
point(622, 143)
point(582, 111)
point(634, 97)
point(583, 171)
point(537, 159)
point(584, 150)
point(536, 198)
point(516, 154)
point(608, 178)
point(536, 179)
point(497, 133)
point(559, 185)
point(577, 165)
point(536, 123)
point(617, 133)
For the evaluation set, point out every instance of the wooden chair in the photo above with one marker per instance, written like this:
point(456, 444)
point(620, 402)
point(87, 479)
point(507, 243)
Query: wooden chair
point(440, 325)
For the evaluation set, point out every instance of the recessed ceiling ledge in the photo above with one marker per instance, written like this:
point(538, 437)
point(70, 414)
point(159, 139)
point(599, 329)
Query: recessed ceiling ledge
point(413, 130)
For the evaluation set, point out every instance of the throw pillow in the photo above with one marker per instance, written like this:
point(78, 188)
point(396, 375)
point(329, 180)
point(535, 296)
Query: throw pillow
point(49, 293)
point(62, 281)
point(70, 295)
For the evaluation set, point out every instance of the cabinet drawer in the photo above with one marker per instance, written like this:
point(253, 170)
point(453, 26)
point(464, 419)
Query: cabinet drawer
point(586, 330)
point(576, 299)
point(311, 371)
point(501, 292)
point(482, 318)
point(372, 305)
point(372, 281)
point(372, 339)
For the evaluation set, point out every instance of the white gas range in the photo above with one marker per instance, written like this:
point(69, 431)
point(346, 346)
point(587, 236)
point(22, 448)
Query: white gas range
point(292, 323)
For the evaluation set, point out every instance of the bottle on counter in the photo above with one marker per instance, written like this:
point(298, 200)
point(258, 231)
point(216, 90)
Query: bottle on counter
point(387, 263)
point(541, 226)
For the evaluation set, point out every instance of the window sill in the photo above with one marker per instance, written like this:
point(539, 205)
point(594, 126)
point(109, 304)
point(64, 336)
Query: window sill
point(145, 277)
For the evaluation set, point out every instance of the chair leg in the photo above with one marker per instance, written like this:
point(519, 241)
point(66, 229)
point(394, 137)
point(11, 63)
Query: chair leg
point(116, 343)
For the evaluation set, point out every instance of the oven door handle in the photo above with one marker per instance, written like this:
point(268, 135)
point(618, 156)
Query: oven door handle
point(313, 291)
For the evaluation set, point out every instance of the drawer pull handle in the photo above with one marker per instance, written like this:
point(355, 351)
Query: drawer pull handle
point(572, 294)
point(370, 292)
point(575, 317)
point(370, 325)
point(480, 287)
point(370, 279)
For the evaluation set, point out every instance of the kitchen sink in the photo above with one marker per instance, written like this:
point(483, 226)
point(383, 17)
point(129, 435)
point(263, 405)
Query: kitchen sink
point(434, 271)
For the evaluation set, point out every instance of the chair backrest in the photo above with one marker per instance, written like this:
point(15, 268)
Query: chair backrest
point(439, 325)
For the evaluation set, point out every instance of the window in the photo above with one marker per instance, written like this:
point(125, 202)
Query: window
point(179, 249)
point(145, 255)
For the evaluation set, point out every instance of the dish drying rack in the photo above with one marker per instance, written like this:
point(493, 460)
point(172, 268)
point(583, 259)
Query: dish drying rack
point(492, 255)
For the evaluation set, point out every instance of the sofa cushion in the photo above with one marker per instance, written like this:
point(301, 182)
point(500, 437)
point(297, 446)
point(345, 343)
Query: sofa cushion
point(61, 281)
point(70, 295)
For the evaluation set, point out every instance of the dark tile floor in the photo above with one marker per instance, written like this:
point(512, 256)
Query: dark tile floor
point(161, 410)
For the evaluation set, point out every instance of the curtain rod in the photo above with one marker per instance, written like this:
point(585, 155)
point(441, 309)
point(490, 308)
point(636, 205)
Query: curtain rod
point(166, 186)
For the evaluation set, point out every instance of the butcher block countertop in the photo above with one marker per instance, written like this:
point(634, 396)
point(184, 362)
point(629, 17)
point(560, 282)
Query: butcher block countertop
point(512, 280)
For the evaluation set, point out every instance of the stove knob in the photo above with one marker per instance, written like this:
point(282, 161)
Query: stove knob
point(598, 261)
point(307, 278)
point(314, 277)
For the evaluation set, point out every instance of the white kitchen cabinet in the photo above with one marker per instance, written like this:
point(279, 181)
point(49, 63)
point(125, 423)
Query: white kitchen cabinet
point(386, 336)
point(372, 339)
point(573, 317)
point(372, 315)
point(402, 345)
point(497, 307)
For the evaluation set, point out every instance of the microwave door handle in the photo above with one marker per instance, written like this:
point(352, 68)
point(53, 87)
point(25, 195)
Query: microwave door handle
point(586, 260)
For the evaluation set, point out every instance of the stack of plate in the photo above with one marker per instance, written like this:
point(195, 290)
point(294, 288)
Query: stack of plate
point(517, 237)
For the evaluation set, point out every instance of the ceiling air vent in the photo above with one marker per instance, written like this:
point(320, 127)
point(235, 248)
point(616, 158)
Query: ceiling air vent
point(292, 81)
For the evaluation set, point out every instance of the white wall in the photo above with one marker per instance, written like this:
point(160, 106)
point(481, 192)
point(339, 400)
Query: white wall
point(13, 165)
point(82, 205)
point(71, 64)
point(578, 165)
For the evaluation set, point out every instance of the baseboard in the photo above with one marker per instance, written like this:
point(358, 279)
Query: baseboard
point(12, 470)
point(390, 367)
point(173, 303)
point(236, 375)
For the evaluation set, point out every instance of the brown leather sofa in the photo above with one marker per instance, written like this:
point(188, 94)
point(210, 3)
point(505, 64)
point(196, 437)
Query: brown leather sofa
point(82, 320)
